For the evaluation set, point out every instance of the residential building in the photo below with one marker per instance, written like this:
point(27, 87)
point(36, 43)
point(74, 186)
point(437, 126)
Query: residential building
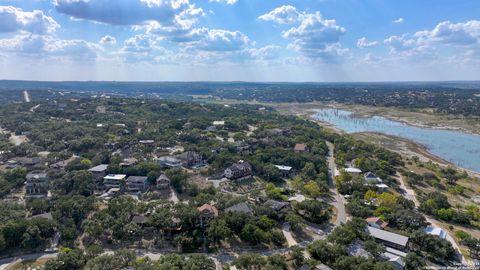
point(168, 162)
point(239, 171)
point(137, 183)
point(207, 212)
point(432, 230)
point(163, 182)
point(36, 184)
point(371, 178)
point(243, 147)
point(276, 205)
point(242, 207)
point(113, 180)
point(146, 142)
point(286, 171)
point(301, 148)
point(128, 162)
point(29, 162)
point(99, 171)
point(376, 222)
point(218, 123)
point(353, 171)
point(191, 159)
point(389, 239)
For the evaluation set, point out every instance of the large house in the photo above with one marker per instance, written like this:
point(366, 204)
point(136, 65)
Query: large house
point(389, 239)
point(136, 183)
point(238, 171)
point(163, 182)
point(36, 184)
point(99, 171)
point(191, 159)
point(113, 180)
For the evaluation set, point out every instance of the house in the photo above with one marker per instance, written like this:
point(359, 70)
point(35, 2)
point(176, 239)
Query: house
point(110, 145)
point(242, 147)
point(357, 250)
point(140, 220)
point(301, 148)
point(146, 142)
point(137, 183)
point(191, 159)
point(128, 162)
point(376, 222)
point(353, 171)
point(58, 166)
point(44, 215)
point(218, 123)
point(168, 161)
point(389, 239)
point(113, 180)
point(163, 182)
point(36, 184)
point(382, 187)
point(395, 257)
point(239, 171)
point(29, 162)
point(11, 164)
point(371, 178)
point(432, 230)
point(286, 171)
point(207, 212)
point(99, 171)
point(297, 198)
point(276, 205)
point(242, 207)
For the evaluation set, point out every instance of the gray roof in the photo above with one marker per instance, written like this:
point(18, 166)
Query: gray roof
point(133, 179)
point(276, 205)
point(240, 208)
point(99, 168)
point(388, 236)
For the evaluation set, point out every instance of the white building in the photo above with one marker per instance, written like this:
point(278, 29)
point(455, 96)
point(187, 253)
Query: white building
point(113, 180)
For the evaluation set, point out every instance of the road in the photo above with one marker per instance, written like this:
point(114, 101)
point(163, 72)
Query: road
point(410, 194)
point(26, 96)
point(337, 198)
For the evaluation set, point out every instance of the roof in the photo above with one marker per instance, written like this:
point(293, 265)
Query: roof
point(322, 266)
point(377, 221)
point(283, 168)
point(99, 168)
point(139, 219)
point(209, 208)
point(277, 205)
point(381, 186)
point(300, 147)
point(297, 197)
point(432, 230)
point(141, 179)
point(370, 175)
point(218, 123)
point(240, 208)
point(388, 236)
point(353, 170)
point(115, 177)
point(44, 215)
point(36, 175)
point(163, 177)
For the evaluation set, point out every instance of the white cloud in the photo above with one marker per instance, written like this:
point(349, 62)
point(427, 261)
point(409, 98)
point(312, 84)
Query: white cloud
point(129, 12)
point(228, 2)
point(47, 46)
point(364, 43)
point(464, 34)
point(217, 40)
point(399, 20)
point(316, 37)
point(14, 19)
point(283, 15)
point(108, 40)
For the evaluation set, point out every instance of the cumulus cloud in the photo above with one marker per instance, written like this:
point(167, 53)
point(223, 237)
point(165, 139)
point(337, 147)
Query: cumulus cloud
point(399, 20)
point(446, 32)
point(217, 40)
point(14, 19)
point(364, 43)
point(108, 40)
point(228, 2)
point(283, 15)
point(317, 37)
point(47, 46)
point(128, 12)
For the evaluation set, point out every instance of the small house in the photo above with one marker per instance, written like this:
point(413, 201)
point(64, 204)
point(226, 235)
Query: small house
point(371, 178)
point(286, 171)
point(99, 171)
point(113, 180)
point(207, 213)
point(191, 159)
point(163, 182)
point(128, 162)
point(432, 230)
point(36, 184)
point(242, 207)
point(376, 222)
point(301, 148)
point(353, 171)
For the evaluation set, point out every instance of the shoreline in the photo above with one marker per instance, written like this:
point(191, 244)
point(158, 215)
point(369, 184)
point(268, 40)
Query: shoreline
point(415, 147)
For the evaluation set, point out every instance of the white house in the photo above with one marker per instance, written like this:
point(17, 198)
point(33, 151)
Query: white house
point(436, 231)
point(113, 180)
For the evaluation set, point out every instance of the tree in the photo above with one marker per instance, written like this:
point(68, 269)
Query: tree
point(218, 230)
point(199, 262)
point(67, 259)
point(250, 261)
point(276, 262)
point(312, 189)
point(414, 262)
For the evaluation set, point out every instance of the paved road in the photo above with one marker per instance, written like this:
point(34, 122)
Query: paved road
point(4, 263)
point(410, 194)
point(337, 199)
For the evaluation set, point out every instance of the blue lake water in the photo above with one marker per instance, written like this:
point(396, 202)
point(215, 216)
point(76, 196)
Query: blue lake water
point(459, 148)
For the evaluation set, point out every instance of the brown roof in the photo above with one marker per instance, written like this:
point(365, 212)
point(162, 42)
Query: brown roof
point(377, 221)
point(300, 147)
point(209, 208)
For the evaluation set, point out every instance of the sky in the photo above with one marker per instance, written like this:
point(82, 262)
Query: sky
point(240, 40)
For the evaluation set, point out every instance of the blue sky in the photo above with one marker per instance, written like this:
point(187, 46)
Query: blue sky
point(249, 40)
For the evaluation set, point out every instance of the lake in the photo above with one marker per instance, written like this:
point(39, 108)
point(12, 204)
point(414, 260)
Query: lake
point(459, 148)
